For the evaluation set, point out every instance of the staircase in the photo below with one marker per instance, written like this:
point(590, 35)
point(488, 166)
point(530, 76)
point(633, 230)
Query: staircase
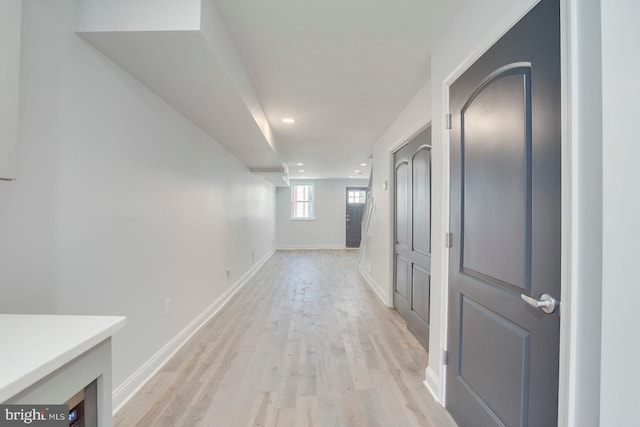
point(365, 251)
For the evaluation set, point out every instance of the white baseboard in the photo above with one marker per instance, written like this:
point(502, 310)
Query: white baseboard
point(432, 383)
point(373, 285)
point(125, 391)
point(310, 247)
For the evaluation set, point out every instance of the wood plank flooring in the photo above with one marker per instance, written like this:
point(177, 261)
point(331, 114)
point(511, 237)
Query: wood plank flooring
point(305, 343)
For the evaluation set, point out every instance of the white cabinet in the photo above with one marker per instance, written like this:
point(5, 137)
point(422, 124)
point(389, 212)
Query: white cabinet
point(49, 359)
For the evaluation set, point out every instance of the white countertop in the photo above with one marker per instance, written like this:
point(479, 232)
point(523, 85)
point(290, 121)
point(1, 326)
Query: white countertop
point(33, 346)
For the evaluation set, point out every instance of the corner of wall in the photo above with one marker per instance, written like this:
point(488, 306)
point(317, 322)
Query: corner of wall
point(375, 287)
point(432, 383)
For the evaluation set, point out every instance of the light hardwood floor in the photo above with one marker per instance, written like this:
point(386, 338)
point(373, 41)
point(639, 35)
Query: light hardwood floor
point(304, 343)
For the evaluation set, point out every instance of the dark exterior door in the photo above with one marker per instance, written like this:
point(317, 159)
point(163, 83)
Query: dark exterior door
point(412, 265)
point(356, 199)
point(505, 220)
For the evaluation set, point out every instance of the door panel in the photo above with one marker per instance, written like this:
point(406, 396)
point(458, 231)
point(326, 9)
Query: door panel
point(412, 276)
point(495, 379)
point(505, 220)
point(496, 178)
point(402, 278)
point(421, 180)
point(420, 289)
point(402, 204)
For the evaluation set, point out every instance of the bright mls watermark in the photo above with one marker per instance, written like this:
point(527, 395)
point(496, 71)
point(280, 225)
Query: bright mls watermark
point(34, 415)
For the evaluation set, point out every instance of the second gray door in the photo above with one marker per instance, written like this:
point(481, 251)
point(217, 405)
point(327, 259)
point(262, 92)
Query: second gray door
point(412, 263)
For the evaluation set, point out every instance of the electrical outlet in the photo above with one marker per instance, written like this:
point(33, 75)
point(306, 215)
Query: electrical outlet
point(167, 307)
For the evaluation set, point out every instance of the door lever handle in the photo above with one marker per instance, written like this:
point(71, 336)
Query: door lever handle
point(547, 303)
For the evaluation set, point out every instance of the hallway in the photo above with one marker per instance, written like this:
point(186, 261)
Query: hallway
point(304, 343)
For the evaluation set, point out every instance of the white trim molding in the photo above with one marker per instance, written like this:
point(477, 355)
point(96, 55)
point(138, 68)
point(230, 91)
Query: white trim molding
point(375, 287)
point(312, 247)
point(125, 391)
point(431, 382)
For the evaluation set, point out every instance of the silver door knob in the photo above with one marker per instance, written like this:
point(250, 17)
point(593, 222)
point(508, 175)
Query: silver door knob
point(547, 303)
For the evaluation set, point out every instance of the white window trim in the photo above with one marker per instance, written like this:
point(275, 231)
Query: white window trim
point(312, 201)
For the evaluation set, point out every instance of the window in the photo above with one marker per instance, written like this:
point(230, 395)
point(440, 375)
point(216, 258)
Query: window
point(356, 197)
point(302, 201)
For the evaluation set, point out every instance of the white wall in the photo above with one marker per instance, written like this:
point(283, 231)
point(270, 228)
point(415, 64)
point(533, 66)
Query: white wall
point(415, 116)
point(328, 229)
point(621, 228)
point(120, 202)
point(10, 23)
point(138, 15)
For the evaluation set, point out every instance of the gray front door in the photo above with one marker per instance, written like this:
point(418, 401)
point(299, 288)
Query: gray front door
point(505, 220)
point(412, 266)
point(356, 198)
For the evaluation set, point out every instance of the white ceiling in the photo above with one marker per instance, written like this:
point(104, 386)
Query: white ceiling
point(343, 70)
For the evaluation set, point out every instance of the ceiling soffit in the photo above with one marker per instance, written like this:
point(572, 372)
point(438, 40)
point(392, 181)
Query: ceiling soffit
point(182, 53)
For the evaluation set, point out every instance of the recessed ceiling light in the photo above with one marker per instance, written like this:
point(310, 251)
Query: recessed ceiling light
point(299, 164)
point(357, 171)
point(350, 176)
point(288, 120)
point(301, 170)
point(363, 164)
